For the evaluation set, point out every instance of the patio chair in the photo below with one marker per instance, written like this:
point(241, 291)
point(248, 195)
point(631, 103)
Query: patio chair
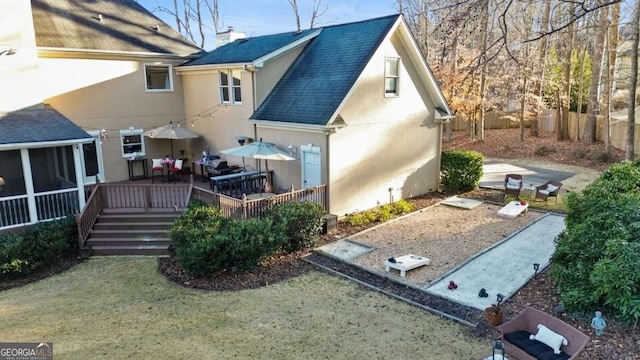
point(176, 170)
point(513, 185)
point(549, 189)
point(156, 166)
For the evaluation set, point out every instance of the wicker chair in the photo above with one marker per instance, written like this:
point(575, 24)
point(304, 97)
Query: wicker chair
point(549, 189)
point(513, 185)
point(515, 336)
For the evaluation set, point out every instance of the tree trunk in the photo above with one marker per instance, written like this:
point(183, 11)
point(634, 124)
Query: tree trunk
point(563, 129)
point(483, 70)
point(596, 71)
point(576, 126)
point(633, 82)
point(542, 56)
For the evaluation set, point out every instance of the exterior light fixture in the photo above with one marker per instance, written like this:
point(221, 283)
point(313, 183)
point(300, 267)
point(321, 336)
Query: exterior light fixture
point(536, 267)
point(498, 350)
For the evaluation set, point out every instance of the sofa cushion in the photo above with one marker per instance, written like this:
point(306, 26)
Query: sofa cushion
point(534, 348)
point(550, 338)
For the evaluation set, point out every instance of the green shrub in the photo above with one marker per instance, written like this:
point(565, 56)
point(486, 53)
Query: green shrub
point(384, 213)
point(302, 223)
point(361, 218)
point(239, 244)
point(198, 221)
point(597, 257)
point(41, 245)
point(461, 170)
point(401, 207)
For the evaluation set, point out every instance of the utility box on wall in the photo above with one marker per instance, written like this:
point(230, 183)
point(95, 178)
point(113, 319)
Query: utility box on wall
point(329, 223)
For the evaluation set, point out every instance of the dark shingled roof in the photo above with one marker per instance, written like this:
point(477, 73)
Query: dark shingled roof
point(126, 26)
point(320, 78)
point(250, 49)
point(25, 126)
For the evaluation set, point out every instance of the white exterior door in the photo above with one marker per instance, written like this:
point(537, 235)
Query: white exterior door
point(93, 165)
point(311, 166)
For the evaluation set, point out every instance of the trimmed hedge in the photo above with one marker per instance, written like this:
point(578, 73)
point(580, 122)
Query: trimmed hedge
point(42, 244)
point(597, 258)
point(461, 170)
point(206, 242)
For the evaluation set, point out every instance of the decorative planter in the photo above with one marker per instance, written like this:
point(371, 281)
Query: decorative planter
point(493, 315)
point(85, 252)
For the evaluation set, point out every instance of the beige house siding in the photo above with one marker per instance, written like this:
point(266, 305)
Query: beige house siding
point(389, 143)
point(19, 71)
point(202, 97)
point(110, 94)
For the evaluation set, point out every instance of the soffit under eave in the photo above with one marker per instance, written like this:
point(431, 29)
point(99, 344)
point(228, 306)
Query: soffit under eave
point(114, 55)
point(44, 144)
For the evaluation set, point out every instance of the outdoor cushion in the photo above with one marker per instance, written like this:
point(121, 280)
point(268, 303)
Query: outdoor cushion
point(551, 188)
point(157, 164)
point(177, 165)
point(550, 338)
point(534, 348)
point(513, 183)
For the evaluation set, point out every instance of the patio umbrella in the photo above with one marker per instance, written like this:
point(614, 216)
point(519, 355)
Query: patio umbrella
point(171, 132)
point(260, 150)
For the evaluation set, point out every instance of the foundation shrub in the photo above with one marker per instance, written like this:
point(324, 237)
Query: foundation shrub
point(461, 170)
point(302, 223)
point(41, 245)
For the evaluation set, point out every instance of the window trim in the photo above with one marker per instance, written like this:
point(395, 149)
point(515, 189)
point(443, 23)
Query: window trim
point(129, 132)
point(169, 68)
point(396, 93)
point(230, 86)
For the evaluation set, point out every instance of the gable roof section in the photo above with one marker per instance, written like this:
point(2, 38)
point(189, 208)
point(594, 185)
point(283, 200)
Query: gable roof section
point(250, 49)
point(114, 26)
point(43, 125)
point(326, 70)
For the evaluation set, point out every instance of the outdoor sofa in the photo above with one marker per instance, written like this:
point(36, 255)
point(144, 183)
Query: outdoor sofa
point(516, 337)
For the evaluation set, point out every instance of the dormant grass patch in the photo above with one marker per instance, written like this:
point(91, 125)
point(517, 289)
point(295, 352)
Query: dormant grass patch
point(118, 308)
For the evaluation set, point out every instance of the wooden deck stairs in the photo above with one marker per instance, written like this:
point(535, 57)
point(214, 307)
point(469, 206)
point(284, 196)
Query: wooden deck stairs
point(132, 232)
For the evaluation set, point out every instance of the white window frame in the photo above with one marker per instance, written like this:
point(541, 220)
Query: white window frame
point(388, 76)
point(230, 86)
point(169, 77)
point(132, 132)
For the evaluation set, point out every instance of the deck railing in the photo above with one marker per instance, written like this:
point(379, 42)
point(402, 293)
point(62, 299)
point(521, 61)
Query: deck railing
point(87, 218)
point(56, 204)
point(14, 211)
point(151, 196)
point(144, 196)
point(244, 208)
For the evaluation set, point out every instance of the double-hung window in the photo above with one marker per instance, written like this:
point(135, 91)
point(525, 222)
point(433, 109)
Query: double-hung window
point(230, 87)
point(158, 78)
point(132, 143)
point(391, 76)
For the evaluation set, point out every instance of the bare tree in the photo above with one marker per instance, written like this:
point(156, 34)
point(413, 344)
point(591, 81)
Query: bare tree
point(189, 11)
point(316, 12)
point(597, 53)
point(633, 82)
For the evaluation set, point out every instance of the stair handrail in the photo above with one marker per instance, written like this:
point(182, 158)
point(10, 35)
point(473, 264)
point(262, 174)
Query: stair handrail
point(88, 216)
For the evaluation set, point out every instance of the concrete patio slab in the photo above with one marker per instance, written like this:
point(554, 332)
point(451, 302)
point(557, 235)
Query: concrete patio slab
point(461, 202)
point(345, 249)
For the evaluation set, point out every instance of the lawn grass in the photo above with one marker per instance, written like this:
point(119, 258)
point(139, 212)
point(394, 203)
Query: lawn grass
point(121, 307)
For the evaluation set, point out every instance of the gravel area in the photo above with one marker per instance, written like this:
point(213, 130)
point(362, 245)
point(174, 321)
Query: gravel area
point(447, 235)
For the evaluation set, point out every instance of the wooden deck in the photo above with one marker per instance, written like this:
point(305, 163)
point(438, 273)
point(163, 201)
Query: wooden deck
point(144, 197)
